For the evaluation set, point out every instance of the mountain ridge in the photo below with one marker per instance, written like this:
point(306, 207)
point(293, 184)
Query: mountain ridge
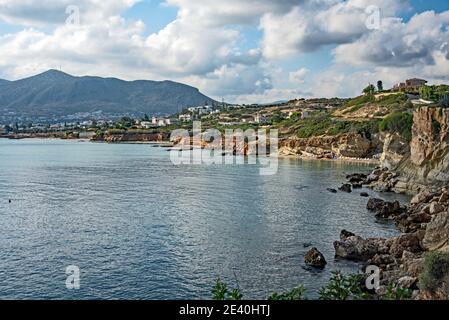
point(55, 93)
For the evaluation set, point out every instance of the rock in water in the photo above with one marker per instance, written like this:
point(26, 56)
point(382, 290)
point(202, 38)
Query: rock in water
point(346, 234)
point(352, 247)
point(375, 204)
point(383, 208)
point(364, 194)
point(346, 188)
point(331, 190)
point(315, 258)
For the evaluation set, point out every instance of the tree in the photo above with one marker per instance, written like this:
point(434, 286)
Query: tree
point(369, 90)
point(380, 86)
point(444, 101)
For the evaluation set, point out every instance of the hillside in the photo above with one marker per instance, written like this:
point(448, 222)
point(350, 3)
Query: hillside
point(54, 93)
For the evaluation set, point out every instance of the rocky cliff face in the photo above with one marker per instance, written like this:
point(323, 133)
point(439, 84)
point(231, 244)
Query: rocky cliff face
point(428, 161)
point(349, 145)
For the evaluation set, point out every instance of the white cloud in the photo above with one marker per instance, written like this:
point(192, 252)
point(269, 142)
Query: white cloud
point(202, 46)
point(298, 76)
point(312, 25)
point(399, 44)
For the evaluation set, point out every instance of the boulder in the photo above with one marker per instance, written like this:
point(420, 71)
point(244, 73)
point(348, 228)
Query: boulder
point(383, 208)
point(444, 198)
point(382, 260)
point(408, 242)
point(315, 258)
point(331, 190)
point(412, 263)
point(356, 177)
point(346, 234)
point(346, 188)
point(422, 197)
point(435, 208)
point(407, 282)
point(364, 194)
point(356, 248)
point(437, 232)
point(375, 204)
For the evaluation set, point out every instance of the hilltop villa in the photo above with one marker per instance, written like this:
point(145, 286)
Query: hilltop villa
point(410, 84)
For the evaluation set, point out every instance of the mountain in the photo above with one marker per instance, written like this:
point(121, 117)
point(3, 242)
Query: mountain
point(55, 93)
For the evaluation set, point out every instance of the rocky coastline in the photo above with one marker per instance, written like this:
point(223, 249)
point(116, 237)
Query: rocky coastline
point(421, 168)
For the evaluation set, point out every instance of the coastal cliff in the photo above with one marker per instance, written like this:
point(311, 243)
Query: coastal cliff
point(349, 145)
point(425, 160)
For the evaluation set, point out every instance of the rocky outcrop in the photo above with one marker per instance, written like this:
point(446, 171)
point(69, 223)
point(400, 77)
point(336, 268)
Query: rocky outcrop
point(315, 258)
point(348, 145)
point(437, 233)
point(129, 137)
point(355, 248)
point(395, 150)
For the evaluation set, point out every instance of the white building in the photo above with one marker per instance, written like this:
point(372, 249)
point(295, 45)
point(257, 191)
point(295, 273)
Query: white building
point(185, 117)
point(146, 124)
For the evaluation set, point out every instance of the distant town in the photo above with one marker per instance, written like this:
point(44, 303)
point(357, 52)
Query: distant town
point(222, 115)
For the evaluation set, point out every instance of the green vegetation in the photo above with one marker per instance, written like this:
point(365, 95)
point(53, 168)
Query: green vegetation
point(341, 287)
point(369, 90)
point(295, 294)
point(400, 122)
point(221, 292)
point(361, 101)
point(380, 86)
point(444, 101)
point(324, 124)
point(435, 275)
point(125, 123)
point(434, 93)
point(397, 293)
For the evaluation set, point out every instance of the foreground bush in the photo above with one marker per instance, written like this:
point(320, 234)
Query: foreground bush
point(295, 294)
point(435, 276)
point(341, 287)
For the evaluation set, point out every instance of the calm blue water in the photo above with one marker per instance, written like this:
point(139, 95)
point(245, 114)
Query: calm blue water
point(141, 228)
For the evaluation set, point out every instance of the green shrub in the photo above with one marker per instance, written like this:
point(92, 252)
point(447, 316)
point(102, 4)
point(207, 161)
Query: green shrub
point(444, 101)
point(397, 293)
point(221, 292)
point(435, 272)
point(341, 287)
point(398, 122)
point(295, 294)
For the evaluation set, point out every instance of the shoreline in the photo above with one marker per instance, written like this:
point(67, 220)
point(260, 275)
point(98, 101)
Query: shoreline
point(168, 144)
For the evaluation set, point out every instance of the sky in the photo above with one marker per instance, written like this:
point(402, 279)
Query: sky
point(243, 51)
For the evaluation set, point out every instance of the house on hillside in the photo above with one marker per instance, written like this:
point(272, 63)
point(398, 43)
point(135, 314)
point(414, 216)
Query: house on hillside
point(410, 84)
